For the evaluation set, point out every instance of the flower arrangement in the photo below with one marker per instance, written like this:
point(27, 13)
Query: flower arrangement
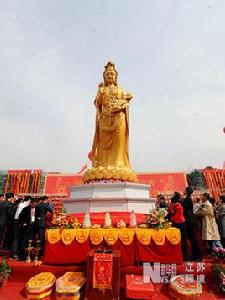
point(156, 219)
point(61, 220)
point(5, 271)
point(59, 207)
point(219, 252)
point(219, 271)
point(222, 281)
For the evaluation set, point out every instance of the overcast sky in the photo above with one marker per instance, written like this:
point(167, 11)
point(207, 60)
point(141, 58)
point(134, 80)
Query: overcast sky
point(169, 54)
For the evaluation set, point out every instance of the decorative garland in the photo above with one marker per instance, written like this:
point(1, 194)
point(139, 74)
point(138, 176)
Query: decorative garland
point(126, 235)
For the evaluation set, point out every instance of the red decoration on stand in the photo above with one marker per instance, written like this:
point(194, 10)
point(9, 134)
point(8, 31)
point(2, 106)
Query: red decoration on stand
point(98, 286)
point(102, 271)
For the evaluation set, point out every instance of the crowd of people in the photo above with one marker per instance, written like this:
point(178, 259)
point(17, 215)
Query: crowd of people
point(22, 220)
point(196, 217)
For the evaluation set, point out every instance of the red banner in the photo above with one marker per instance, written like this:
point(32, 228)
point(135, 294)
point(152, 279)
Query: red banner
point(59, 184)
point(215, 179)
point(164, 183)
point(102, 271)
point(17, 181)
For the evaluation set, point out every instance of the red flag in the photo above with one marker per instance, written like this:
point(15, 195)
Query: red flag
point(83, 169)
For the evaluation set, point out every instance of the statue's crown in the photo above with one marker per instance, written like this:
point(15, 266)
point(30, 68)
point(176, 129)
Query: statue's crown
point(110, 66)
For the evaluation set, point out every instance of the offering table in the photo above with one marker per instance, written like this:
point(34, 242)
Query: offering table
point(70, 246)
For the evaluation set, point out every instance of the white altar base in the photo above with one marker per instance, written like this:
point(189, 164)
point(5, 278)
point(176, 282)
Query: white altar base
point(114, 197)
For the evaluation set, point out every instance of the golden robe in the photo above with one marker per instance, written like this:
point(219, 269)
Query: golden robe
point(110, 153)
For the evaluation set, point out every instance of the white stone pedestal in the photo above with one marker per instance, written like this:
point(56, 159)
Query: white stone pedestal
point(112, 197)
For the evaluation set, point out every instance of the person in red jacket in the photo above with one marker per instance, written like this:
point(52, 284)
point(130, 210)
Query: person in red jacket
point(176, 216)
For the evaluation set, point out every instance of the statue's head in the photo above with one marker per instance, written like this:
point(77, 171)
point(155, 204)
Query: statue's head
point(110, 74)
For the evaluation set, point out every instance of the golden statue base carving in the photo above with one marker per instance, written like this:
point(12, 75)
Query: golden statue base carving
point(110, 173)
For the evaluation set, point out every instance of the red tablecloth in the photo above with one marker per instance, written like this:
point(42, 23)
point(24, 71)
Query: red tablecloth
point(166, 253)
point(76, 253)
point(99, 217)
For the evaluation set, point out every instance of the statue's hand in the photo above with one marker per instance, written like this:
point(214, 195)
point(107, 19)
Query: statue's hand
point(119, 108)
point(128, 97)
point(101, 88)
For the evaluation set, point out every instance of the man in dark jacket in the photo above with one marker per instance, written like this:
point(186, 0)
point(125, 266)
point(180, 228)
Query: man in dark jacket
point(41, 210)
point(15, 225)
point(28, 229)
point(190, 223)
point(5, 209)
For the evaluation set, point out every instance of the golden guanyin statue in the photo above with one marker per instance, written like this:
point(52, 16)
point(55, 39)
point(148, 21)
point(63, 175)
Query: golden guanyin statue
point(110, 153)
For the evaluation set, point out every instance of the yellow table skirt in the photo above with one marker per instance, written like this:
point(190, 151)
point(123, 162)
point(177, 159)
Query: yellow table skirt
point(111, 235)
